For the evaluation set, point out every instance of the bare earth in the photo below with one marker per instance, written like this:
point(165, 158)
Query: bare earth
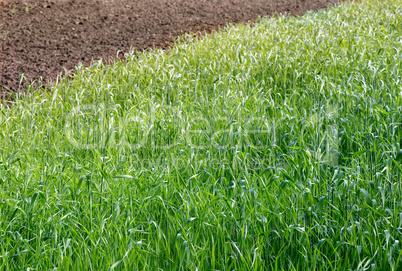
point(44, 38)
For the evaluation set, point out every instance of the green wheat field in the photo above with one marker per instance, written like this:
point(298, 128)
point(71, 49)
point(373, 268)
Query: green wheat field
point(272, 147)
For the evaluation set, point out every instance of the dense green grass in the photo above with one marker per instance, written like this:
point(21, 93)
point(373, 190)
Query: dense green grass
point(268, 147)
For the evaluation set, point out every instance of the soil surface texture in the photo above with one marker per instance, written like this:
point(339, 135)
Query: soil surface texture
point(43, 38)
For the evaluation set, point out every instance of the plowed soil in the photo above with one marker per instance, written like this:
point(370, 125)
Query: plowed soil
point(41, 39)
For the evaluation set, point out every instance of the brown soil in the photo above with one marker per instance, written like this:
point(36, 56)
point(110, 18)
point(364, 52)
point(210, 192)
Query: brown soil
point(44, 38)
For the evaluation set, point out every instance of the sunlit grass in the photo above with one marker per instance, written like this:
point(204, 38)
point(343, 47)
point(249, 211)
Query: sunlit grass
point(270, 147)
